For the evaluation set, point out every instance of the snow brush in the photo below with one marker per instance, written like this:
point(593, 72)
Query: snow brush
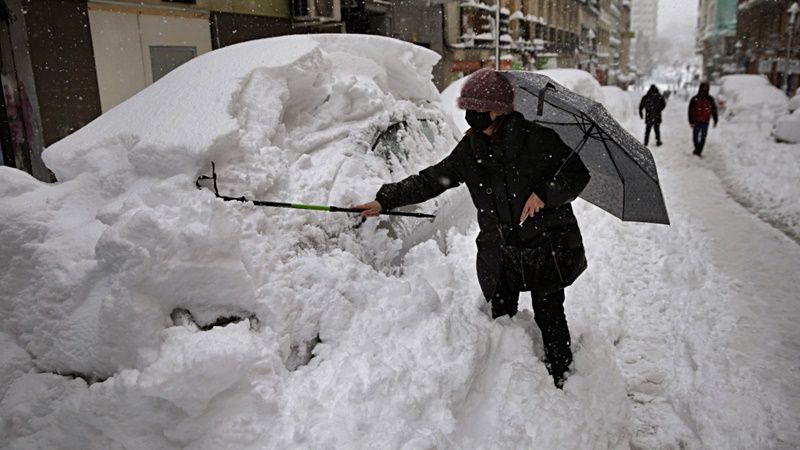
point(213, 177)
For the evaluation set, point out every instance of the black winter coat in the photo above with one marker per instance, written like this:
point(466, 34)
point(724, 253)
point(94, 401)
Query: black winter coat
point(652, 104)
point(501, 173)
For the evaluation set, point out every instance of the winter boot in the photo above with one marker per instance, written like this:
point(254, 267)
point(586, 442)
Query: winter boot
point(559, 373)
point(559, 378)
point(549, 316)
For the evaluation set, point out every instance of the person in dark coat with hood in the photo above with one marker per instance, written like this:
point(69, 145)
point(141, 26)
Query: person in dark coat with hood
point(702, 108)
point(652, 104)
point(521, 177)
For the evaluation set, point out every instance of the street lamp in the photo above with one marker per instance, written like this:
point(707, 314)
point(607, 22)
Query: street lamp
point(793, 10)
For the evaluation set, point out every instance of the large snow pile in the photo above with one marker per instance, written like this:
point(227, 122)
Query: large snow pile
point(578, 81)
point(755, 116)
point(750, 98)
point(794, 103)
point(787, 128)
point(285, 119)
point(140, 312)
point(450, 101)
point(340, 345)
point(755, 111)
point(762, 173)
point(618, 103)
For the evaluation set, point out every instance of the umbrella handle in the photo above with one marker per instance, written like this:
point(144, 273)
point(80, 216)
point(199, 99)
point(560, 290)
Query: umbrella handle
point(540, 106)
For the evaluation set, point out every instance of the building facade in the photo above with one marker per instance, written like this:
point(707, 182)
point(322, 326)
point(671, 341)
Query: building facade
point(610, 41)
point(626, 35)
point(716, 37)
point(644, 18)
point(420, 22)
point(766, 44)
point(644, 24)
point(65, 62)
point(538, 34)
point(589, 23)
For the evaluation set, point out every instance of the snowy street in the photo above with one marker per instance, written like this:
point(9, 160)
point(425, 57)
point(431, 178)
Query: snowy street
point(138, 311)
point(723, 350)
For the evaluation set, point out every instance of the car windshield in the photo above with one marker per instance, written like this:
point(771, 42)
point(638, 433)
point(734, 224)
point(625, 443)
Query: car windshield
point(401, 138)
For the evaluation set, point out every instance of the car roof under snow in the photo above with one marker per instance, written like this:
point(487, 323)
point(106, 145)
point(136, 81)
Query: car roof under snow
point(254, 88)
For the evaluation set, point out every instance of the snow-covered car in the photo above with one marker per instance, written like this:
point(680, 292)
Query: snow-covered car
point(787, 128)
point(794, 103)
point(618, 103)
point(450, 96)
point(125, 245)
point(750, 98)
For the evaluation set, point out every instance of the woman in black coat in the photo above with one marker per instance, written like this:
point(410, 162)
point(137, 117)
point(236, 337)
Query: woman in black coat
point(652, 104)
point(521, 177)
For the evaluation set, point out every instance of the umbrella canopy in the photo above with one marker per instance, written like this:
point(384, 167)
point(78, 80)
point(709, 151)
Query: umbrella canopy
point(624, 177)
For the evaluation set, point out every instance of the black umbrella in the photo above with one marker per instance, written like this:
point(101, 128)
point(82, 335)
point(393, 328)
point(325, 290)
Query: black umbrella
point(624, 178)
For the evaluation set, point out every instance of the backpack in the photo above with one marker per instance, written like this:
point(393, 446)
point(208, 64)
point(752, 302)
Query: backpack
point(701, 109)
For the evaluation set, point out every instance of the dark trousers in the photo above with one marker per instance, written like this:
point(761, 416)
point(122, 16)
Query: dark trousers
point(699, 133)
point(654, 126)
point(549, 316)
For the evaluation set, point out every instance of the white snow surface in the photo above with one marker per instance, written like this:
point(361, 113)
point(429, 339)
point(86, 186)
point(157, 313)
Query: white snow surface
point(794, 103)
point(787, 129)
point(578, 81)
point(618, 103)
point(449, 97)
point(684, 336)
point(750, 98)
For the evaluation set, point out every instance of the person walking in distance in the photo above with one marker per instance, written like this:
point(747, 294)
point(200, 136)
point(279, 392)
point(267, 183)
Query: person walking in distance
point(702, 108)
point(652, 104)
point(522, 178)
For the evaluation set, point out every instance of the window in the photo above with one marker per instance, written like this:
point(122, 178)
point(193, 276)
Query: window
point(524, 28)
point(402, 138)
point(165, 59)
point(390, 142)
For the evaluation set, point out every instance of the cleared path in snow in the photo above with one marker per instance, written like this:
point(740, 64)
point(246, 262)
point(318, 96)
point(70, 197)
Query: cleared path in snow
point(745, 375)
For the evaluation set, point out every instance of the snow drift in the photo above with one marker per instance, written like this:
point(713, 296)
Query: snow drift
point(139, 311)
point(750, 98)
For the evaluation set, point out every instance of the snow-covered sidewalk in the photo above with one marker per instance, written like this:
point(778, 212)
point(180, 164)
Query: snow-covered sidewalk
point(712, 355)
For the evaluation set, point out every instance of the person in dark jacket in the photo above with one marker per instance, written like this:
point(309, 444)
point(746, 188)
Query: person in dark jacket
point(521, 177)
point(652, 103)
point(702, 108)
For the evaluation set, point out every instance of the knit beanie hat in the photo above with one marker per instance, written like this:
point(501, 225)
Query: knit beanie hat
point(487, 90)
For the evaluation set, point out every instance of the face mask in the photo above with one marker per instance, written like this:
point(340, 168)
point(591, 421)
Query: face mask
point(479, 121)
